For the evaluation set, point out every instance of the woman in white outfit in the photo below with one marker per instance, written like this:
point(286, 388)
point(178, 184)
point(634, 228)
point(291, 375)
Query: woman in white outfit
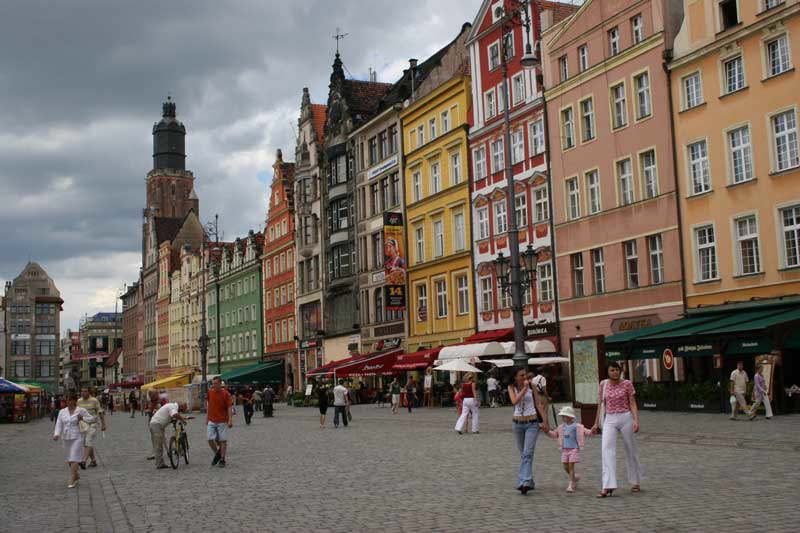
point(469, 394)
point(68, 430)
point(617, 399)
point(760, 394)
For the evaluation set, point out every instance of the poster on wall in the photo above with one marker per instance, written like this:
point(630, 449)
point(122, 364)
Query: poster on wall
point(394, 262)
point(585, 370)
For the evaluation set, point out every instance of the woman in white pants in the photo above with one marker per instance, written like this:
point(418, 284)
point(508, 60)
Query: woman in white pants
point(470, 405)
point(760, 394)
point(617, 399)
point(68, 430)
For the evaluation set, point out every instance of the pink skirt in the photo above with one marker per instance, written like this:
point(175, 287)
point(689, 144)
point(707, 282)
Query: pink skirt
point(570, 455)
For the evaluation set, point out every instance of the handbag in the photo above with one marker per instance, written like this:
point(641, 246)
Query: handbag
point(83, 427)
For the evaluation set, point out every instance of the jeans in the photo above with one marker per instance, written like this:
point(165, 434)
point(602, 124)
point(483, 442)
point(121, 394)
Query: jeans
point(525, 434)
point(247, 409)
point(337, 410)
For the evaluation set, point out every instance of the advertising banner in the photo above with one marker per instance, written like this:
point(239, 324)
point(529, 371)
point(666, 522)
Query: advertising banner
point(394, 262)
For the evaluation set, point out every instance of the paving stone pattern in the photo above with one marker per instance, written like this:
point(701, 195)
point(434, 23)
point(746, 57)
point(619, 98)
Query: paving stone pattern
point(404, 473)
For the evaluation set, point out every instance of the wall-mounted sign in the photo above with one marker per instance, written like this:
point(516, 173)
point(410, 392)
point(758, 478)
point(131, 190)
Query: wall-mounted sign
point(378, 277)
point(308, 344)
point(383, 167)
point(20, 336)
point(394, 262)
point(540, 330)
point(668, 359)
point(621, 325)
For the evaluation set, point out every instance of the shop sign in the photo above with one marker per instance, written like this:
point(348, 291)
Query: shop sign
point(668, 359)
point(757, 345)
point(20, 336)
point(383, 167)
point(394, 342)
point(308, 344)
point(378, 277)
point(694, 350)
point(368, 368)
point(621, 325)
point(540, 330)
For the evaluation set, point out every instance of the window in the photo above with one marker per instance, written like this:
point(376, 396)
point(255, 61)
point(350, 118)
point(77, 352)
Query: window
point(769, 4)
point(521, 209)
point(741, 159)
point(542, 204)
point(631, 264)
point(494, 55)
point(455, 167)
point(642, 85)
point(500, 218)
point(432, 128)
point(436, 178)
point(378, 305)
point(441, 298)
point(377, 250)
point(647, 164)
point(706, 249)
point(501, 98)
point(459, 232)
point(479, 158)
point(545, 277)
point(576, 261)
point(497, 155)
point(438, 239)
point(563, 68)
point(537, 137)
point(422, 300)
point(698, 167)
point(373, 150)
point(728, 14)
point(747, 245)
point(337, 215)
point(692, 90)
point(567, 129)
point(613, 41)
point(583, 58)
point(518, 89)
point(790, 220)
point(338, 170)
point(416, 180)
point(637, 29)
point(483, 222)
point(734, 74)
point(384, 194)
point(419, 239)
point(503, 297)
point(445, 119)
point(394, 190)
point(587, 119)
point(420, 135)
point(599, 270)
point(509, 45)
point(491, 107)
point(486, 294)
point(517, 146)
point(393, 139)
point(784, 129)
point(656, 251)
point(593, 191)
point(620, 104)
point(573, 199)
point(463, 294)
point(625, 180)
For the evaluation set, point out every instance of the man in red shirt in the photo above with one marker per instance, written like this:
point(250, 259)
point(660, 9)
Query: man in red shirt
point(218, 420)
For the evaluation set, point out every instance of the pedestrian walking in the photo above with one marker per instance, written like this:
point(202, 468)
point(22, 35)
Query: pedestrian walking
point(470, 404)
point(93, 407)
point(618, 413)
point(289, 395)
point(268, 399)
point(411, 390)
point(427, 398)
point(218, 421)
point(133, 401)
point(739, 382)
point(246, 399)
point(54, 410)
point(525, 427)
point(70, 423)
point(340, 402)
point(110, 405)
point(322, 403)
point(571, 439)
point(394, 388)
point(258, 400)
point(491, 389)
point(760, 393)
point(158, 424)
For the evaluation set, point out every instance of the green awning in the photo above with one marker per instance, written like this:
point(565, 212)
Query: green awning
point(654, 330)
point(729, 322)
point(270, 372)
point(768, 319)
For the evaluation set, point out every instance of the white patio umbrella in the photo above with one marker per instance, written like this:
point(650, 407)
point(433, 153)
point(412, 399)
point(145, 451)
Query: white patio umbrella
point(457, 365)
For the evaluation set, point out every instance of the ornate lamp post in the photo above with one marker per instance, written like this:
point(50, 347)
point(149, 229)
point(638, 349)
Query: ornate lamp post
point(509, 272)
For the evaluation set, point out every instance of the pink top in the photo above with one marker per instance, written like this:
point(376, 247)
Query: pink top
point(617, 397)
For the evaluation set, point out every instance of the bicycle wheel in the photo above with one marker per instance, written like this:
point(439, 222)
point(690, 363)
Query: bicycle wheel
point(174, 458)
point(185, 447)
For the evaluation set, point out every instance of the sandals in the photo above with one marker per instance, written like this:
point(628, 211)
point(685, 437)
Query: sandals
point(570, 488)
point(605, 493)
point(636, 488)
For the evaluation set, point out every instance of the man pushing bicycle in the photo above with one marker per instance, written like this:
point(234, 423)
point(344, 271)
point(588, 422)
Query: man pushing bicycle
point(158, 423)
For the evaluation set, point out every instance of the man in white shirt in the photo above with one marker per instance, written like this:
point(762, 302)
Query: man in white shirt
point(158, 423)
point(340, 400)
point(428, 385)
point(491, 388)
point(739, 381)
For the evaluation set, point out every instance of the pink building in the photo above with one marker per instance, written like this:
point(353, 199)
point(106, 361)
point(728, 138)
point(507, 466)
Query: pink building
point(614, 201)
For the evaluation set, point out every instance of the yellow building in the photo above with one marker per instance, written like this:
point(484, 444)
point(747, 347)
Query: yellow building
point(735, 97)
point(185, 314)
point(435, 127)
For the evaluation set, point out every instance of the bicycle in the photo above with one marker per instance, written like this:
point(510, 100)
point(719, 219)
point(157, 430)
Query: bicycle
point(178, 444)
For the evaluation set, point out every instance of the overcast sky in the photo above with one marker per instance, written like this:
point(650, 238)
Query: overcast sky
point(82, 82)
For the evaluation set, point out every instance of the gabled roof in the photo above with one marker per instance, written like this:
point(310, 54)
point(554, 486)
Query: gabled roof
point(318, 114)
point(363, 98)
point(560, 10)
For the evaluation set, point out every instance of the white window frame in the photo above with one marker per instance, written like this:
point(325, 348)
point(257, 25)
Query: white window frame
point(545, 278)
point(632, 277)
point(644, 100)
point(436, 177)
point(432, 128)
point(444, 118)
point(541, 202)
point(441, 297)
point(703, 231)
point(567, 120)
point(419, 243)
point(518, 88)
point(627, 190)
point(416, 186)
point(745, 231)
point(594, 202)
point(421, 293)
point(503, 297)
point(692, 90)
point(521, 209)
point(573, 191)
point(498, 155)
point(619, 106)
point(784, 58)
point(637, 28)
point(597, 255)
point(655, 252)
point(482, 219)
point(459, 231)
point(588, 129)
point(490, 103)
point(489, 56)
point(563, 68)
point(788, 137)
point(500, 217)
point(740, 154)
point(583, 58)
point(479, 163)
point(517, 146)
point(698, 167)
point(536, 134)
point(613, 41)
point(438, 238)
point(577, 270)
point(733, 80)
point(485, 286)
point(455, 168)
point(789, 233)
point(463, 294)
point(648, 170)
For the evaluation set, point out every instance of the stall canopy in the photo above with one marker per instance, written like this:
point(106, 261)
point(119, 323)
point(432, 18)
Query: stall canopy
point(457, 365)
point(270, 372)
point(369, 365)
point(531, 361)
point(31, 386)
point(540, 346)
point(326, 370)
point(178, 380)
point(492, 335)
point(416, 360)
point(8, 386)
point(468, 351)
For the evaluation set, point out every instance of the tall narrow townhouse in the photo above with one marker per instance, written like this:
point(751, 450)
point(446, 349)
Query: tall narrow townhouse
point(614, 199)
point(440, 276)
point(489, 184)
point(308, 237)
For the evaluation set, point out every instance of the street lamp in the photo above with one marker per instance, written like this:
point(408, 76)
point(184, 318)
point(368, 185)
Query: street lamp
point(509, 272)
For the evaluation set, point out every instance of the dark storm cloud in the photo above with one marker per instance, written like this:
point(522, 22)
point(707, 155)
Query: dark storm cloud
point(82, 82)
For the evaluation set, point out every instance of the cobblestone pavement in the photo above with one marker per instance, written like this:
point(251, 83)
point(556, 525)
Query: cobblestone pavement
point(404, 473)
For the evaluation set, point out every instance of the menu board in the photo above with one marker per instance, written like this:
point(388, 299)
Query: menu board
point(585, 370)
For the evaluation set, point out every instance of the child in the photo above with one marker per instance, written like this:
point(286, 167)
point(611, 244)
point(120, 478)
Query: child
point(571, 439)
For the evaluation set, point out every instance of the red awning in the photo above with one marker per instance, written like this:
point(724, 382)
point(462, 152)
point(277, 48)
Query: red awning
point(413, 361)
point(497, 335)
point(327, 368)
point(369, 365)
point(112, 360)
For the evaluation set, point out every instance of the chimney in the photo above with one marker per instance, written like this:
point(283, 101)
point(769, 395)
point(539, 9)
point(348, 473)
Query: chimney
point(413, 68)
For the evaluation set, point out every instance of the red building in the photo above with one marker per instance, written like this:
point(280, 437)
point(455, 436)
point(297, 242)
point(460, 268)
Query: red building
point(279, 285)
point(488, 162)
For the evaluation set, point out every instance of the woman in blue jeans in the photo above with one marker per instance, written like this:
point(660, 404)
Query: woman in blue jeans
point(525, 425)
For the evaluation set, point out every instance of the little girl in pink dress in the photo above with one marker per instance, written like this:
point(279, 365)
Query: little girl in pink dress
point(571, 438)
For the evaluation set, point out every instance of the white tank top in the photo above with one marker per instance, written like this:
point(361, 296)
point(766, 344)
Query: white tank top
point(525, 407)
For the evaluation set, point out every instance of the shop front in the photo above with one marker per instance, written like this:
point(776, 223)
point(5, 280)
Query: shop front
point(365, 375)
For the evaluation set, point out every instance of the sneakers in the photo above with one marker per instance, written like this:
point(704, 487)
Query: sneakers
point(217, 457)
point(221, 463)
